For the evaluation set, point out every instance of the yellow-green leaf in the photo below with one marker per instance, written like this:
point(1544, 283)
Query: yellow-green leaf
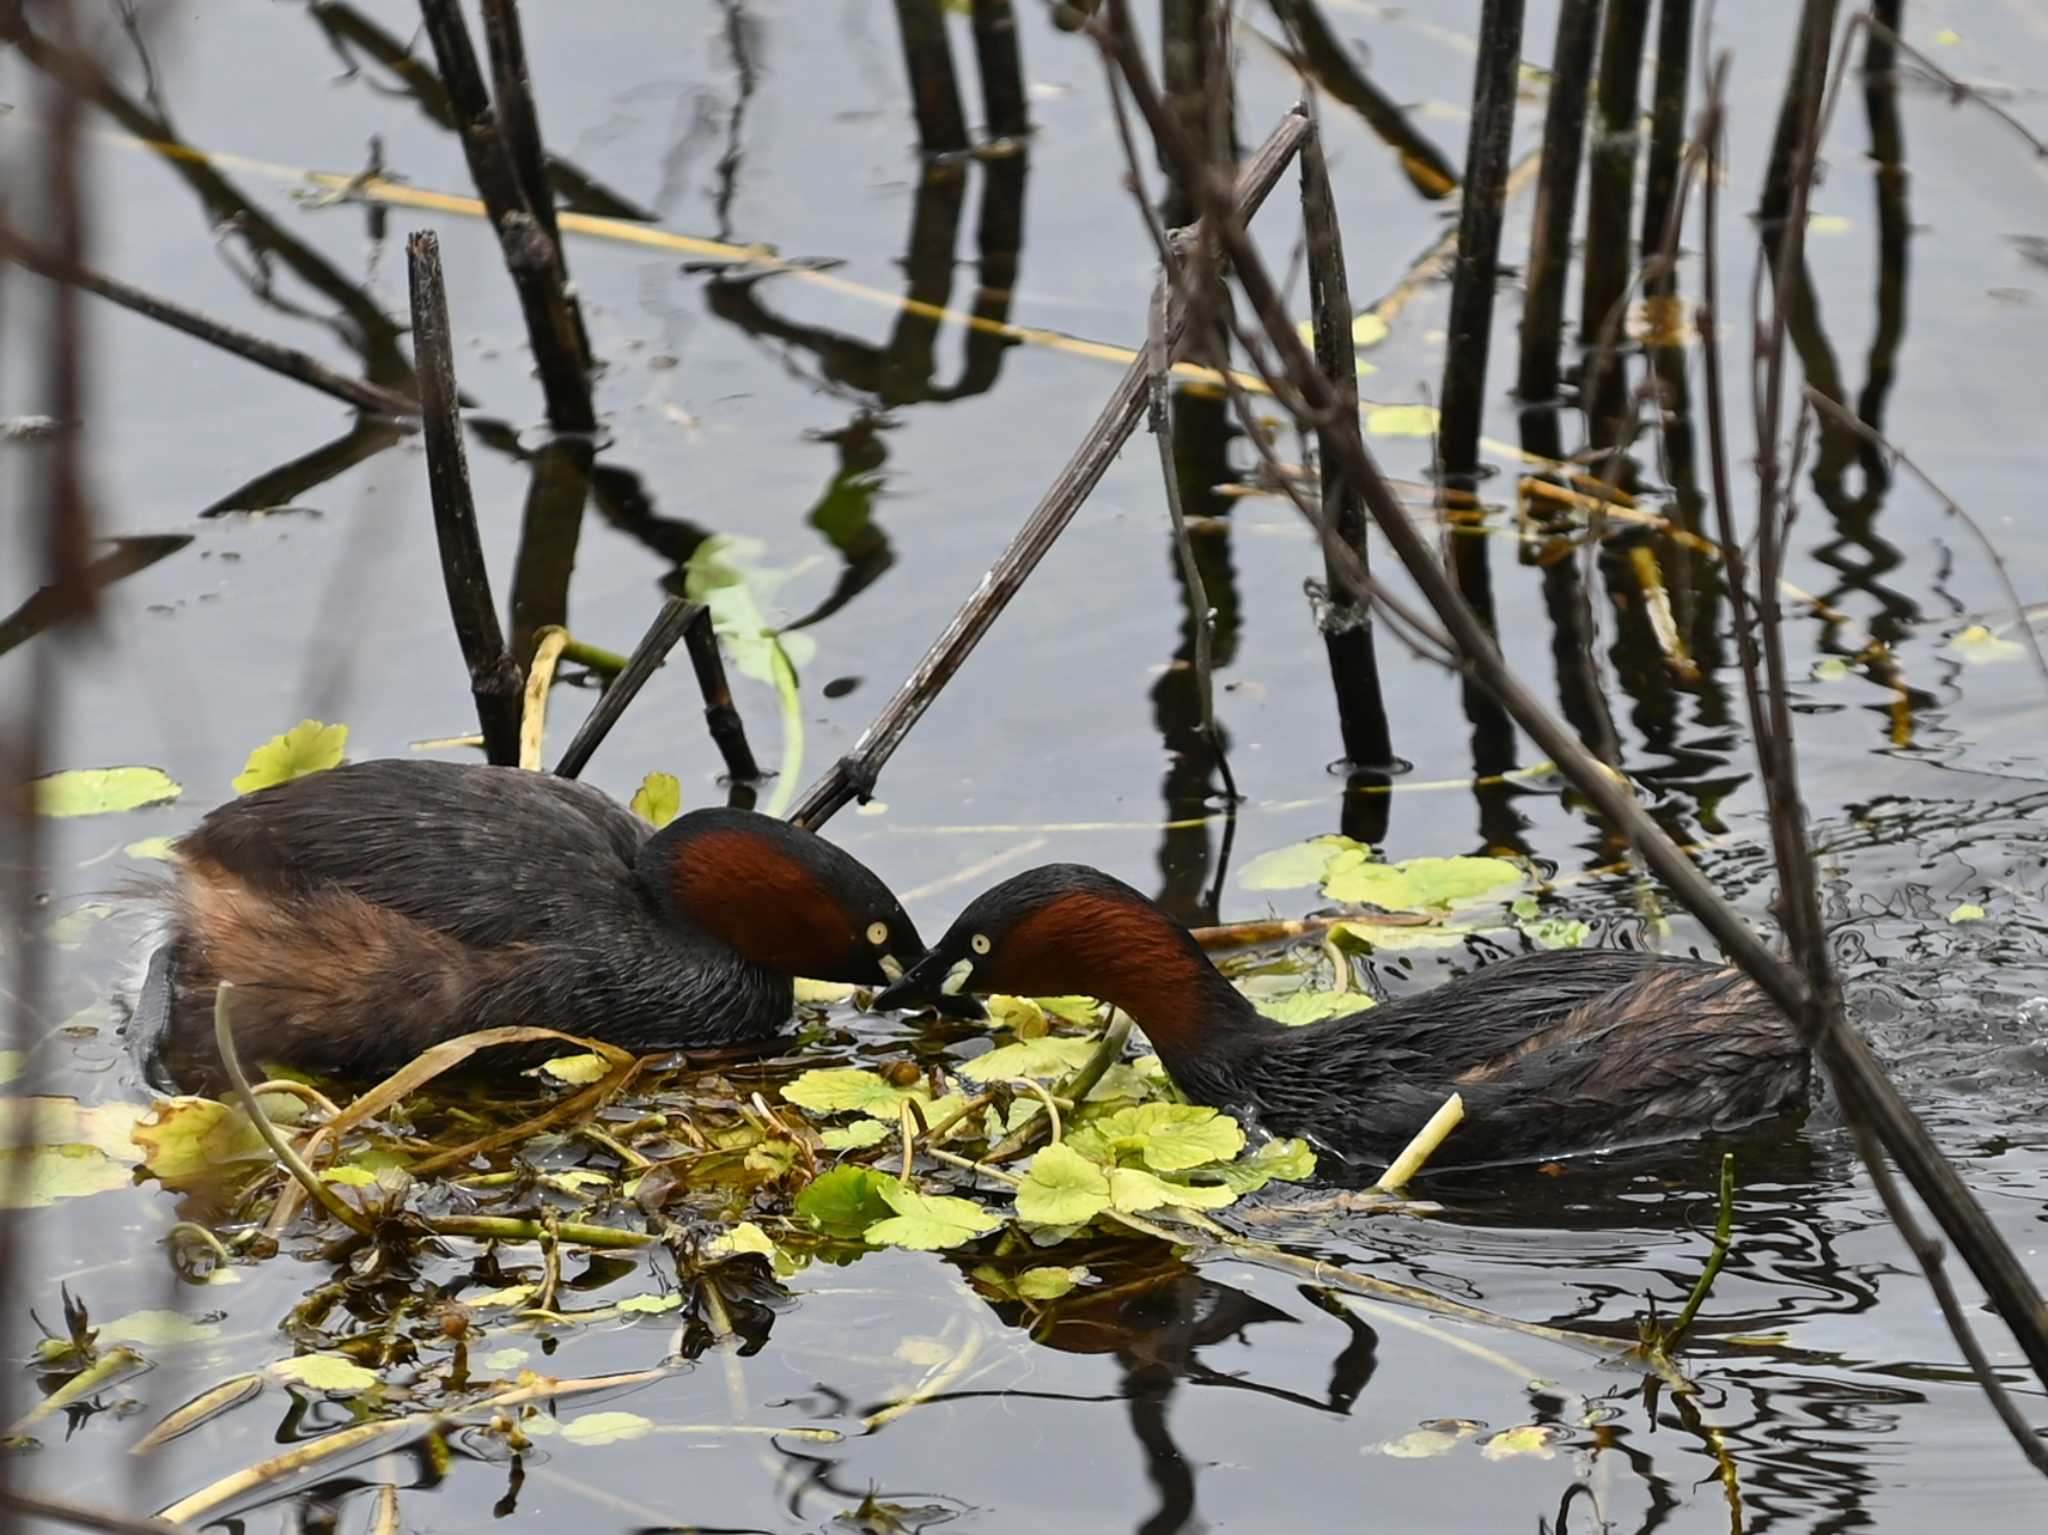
point(811, 993)
point(928, 1222)
point(1967, 912)
point(1062, 1188)
point(1537, 1440)
point(845, 1201)
point(1051, 1056)
point(193, 1138)
point(650, 1305)
point(511, 1295)
point(151, 849)
point(856, 1136)
point(746, 1237)
point(1134, 1191)
point(606, 1428)
point(156, 1329)
point(308, 747)
point(32, 1177)
point(325, 1372)
point(1288, 1161)
point(658, 800)
point(1296, 866)
point(104, 791)
point(847, 1090)
point(1307, 1006)
point(503, 1359)
point(1980, 647)
point(1423, 884)
point(578, 1070)
point(1401, 421)
point(1050, 1282)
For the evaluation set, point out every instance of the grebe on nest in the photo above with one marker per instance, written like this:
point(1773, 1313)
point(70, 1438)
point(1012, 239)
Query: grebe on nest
point(368, 912)
point(1554, 1052)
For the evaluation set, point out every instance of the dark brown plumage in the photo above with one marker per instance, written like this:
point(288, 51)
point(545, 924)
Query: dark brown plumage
point(1554, 1052)
point(368, 912)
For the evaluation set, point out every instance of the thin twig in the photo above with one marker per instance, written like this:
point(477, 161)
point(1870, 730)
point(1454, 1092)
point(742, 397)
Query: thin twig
point(493, 674)
point(323, 1192)
point(287, 361)
point(1724, 1238)
point(531, 257)
point(853, 776)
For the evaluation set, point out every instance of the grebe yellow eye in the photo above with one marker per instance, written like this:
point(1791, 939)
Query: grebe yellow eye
point(878, 933)
point(979, 943)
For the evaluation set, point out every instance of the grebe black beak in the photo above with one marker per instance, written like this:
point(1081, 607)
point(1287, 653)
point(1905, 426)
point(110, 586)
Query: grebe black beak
point(932, 981)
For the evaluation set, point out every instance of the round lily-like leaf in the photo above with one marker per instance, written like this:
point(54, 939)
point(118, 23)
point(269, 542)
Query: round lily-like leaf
point(103, 791)
point(1134, 1191)
point(1062, 1188)
point(847, 1091)
point(1309, 1006)
point(658, 800)
point(1049, 1282)
point(1297, 866)
point(308, 747)
point(1422, 884)
point(1052, 1056)
point(928, 1222)
point(845, 1201)
point(606, 1428)
point(325, 1372)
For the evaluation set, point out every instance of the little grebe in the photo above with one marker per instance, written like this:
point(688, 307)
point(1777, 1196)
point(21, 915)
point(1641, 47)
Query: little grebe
point(370, 911)
point(1555, 1052)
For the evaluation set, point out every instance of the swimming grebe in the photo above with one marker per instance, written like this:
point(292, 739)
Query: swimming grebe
point(370, 911)
point(1554, 1052)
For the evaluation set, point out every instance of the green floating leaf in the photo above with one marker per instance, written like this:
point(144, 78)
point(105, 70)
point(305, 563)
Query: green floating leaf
point(1831, 669)
point(151, 849)
point(928, 1222)
point(658, 800)
point(578, 1070)
point(860, 1134)
point(595, 1428)
point(845, 1201)
point(1052, 1056)
point(32, 1177)
point(1288, 1161)
point(308, 747)
point(1967, 912)
point(650, 1305)
point(156, 1329)
point(1050, 1283)
point(103, 791)
point(1167, 1137)
point(1980, 647)
point(511, 1295)
point(505, 1360)
point(194, 1138)
point(1134, 1191)
point(1062, 1188)
point(1022, 1017)
point(1434, 1438)
point(1401, 421)
point(1422, 884)
point(811, 993)
point(1381, 936)
point(12, 1064)
point(350, 1177)
point(1558, 932)
point(1536, 1440)
point(846, 1090)
point(1298, 866)
point(325, 1372)
point(1306, 1006)
point(746, 1237)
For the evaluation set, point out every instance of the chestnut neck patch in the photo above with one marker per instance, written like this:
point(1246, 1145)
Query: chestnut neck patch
point(761, 900)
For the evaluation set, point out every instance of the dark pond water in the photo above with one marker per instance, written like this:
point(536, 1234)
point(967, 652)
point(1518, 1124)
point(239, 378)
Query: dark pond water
point(878, 463)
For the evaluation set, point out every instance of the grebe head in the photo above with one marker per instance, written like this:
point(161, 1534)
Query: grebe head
point(1068, 928)
point(785, 898)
